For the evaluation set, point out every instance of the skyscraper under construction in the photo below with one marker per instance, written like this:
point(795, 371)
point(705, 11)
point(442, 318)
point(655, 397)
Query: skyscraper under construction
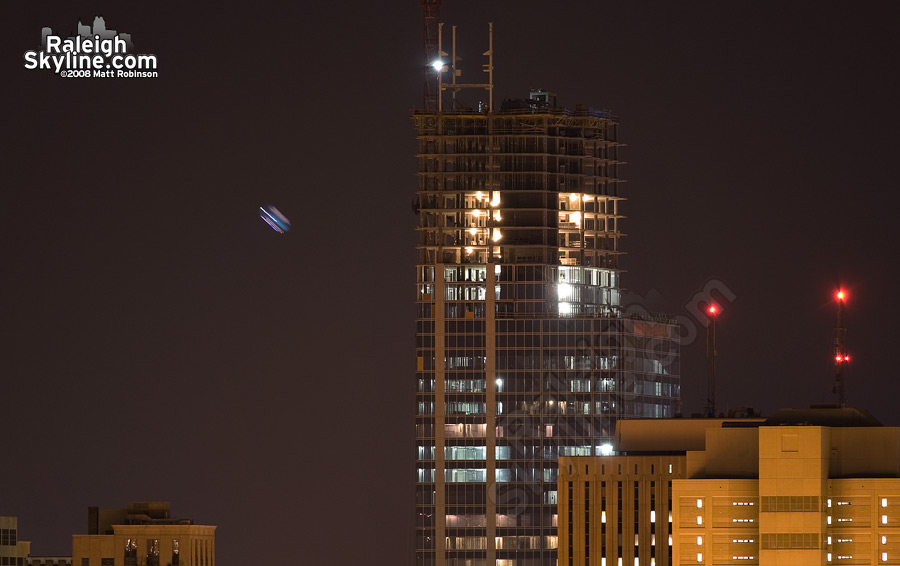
point(524, 351)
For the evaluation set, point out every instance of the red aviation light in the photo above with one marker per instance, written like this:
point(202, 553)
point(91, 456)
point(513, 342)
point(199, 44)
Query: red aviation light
point(841, 295)
point(712, 310)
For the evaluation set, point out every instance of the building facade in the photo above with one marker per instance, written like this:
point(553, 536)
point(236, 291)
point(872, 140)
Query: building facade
point(144, 534)
point(803, 488)
point(524, 351)
point(13, 552)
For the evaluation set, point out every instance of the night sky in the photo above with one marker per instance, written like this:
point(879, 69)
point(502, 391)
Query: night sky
point(159, 341)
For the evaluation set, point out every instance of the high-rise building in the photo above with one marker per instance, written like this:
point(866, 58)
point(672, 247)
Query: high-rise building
point(524, 350)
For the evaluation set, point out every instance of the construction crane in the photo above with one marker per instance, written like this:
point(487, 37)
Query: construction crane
point(432, 12)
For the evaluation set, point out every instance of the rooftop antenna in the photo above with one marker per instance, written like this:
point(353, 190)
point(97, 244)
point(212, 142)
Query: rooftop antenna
point(712, 313)
point(841, 358)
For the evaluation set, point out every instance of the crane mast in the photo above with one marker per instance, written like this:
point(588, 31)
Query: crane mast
point(432, 13)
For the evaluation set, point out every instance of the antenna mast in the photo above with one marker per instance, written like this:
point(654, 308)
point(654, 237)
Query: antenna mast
point(840, 353)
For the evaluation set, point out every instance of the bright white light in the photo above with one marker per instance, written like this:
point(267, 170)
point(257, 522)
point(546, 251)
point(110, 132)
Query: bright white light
point(497, 216)
point(606, 449)
point(438, 65)
point(479, 196)
point(884, 501)
point(473, 231)
point(652, 516)
point(699, 557)
point(496, 235)
point(495, 198)
point(699, 519)
point(565, 308)
point(573, 197)
point(602, 516)
point(469, 249)
point(576, 218)
point(476, 213)
point(499, 382)
point(564, 290)
point(699, 504)
point(884, 519)
point(699, 541)
point(497, 269)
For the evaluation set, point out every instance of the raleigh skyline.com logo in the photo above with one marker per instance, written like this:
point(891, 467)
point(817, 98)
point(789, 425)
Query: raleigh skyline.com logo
point(93, 52)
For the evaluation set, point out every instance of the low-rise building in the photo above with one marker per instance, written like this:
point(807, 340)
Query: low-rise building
point(818, 486)
point(144, 534)
point(13, 552)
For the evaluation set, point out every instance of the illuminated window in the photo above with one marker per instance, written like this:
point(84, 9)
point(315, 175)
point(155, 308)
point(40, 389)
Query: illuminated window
point(130, 552)
point(699, 504)
point(153, 552)
point(699, 541)
point(884, 501)
point(175, 553)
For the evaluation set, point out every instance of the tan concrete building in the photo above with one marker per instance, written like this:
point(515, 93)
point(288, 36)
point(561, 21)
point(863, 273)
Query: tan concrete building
point(13, 552)
point(144, 534)
point(820, 486)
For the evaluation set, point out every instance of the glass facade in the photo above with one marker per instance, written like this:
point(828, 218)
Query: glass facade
point(524, 353)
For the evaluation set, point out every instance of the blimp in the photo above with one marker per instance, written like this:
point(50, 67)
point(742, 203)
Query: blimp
point(275, 218)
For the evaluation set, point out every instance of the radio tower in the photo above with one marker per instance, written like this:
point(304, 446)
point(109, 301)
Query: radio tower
point(840, 353)
point(432, 13)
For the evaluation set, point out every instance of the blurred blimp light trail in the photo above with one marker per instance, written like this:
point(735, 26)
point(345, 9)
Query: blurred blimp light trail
point(275, 219)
